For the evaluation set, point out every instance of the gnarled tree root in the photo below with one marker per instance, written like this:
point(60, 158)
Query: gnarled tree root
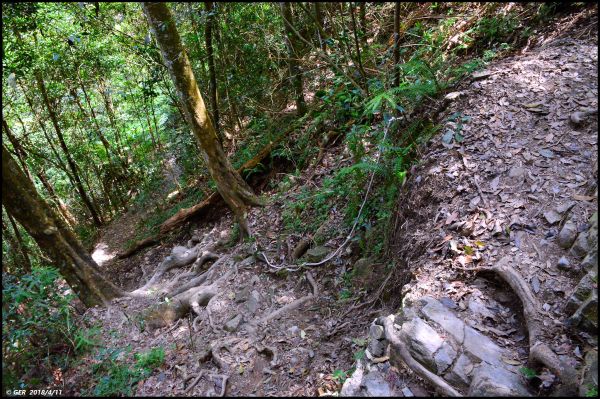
point(438, 382)
point(293, 305)
point(539, 352)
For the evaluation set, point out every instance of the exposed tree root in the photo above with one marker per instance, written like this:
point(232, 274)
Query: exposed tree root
point(139, 246)
point(438, 382)
point(293, 305)
point(269, 351)
point(194, 383)
point(179, 305)
point(539, 352)
point(216, 348)
point(180, 256)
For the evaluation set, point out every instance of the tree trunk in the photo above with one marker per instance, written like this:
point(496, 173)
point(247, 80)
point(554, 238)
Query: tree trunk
point(54, 238)
point(20, 244)
point(208, 36)
point(319, 18)
point(105, 142)
point(64, 210)
point(363, 21)
point(19, 151)
point(236, 193)
point(357, 45)
point(397, 45)
point(286, 13)
point(65, 149)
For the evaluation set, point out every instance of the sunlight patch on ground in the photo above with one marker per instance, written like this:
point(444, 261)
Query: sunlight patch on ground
point(102, 254)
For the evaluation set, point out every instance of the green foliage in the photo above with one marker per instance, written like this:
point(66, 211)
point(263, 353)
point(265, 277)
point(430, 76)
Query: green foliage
point(86, 339)
point(114, 377)
point(527, 372)
point(340, 375)
point(36, 316)
point(151, 359)
point(592, 391)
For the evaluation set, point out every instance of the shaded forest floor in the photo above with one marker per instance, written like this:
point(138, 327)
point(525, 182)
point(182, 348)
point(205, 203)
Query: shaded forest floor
point(510, 167)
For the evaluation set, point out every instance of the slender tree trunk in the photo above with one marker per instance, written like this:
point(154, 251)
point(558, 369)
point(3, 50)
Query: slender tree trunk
point(108, 105)
point(64, 210)
point(19, 151)
point(363, 21)
point(295, 75)
point(208, 37)
point(70, 162)
point(236, 193)
point(53, 237)
point(396, 45)
point(105, 142)
point(155, 123)
point(20, 244)
point(319, 19)
point(358, 55)
point(154, 144)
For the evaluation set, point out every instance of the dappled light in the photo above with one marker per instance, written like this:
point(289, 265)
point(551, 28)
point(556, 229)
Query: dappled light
point(300, 199)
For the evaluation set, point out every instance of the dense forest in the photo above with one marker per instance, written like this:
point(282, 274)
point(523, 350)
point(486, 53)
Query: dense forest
point(307, 199)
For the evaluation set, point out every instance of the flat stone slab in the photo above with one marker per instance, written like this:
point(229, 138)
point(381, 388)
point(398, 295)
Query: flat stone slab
point(423, 341)
point(437, 312)
point(496, 381)
point(481, 346)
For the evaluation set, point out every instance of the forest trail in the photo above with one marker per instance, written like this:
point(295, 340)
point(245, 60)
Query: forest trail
point(515, 163)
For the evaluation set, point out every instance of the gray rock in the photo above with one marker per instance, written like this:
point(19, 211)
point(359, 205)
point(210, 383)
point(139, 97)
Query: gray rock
point(444, 357)
point(435, 311)
point(477, 306)
point(590, 260)
point(581, 246)
point(582, 290)
point(552, 216)
point(242, 295)
point(407, 392)
point(377, 348)
point(586, 316)
point(567, 235)
point(351, 386)
point(317, 253)
point(449, 303)
point(233, 324)
point(376, 332)
point(481, 346)
point(376, 385)
point(563, 263)
point(495, 381)
point(589, 373)
point(253, 303)
point(460, 373)
point(249, 261)
point(422, 341)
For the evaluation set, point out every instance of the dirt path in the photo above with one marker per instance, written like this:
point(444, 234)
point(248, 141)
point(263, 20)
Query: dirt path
point(509, 160)
point(512, 176)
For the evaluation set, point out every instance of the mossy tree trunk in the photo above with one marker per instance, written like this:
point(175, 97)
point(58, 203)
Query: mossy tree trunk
point(236, 193)
point(208, 38)
point(52, 235)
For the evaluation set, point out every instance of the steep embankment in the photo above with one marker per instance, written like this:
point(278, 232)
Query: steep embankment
point(498, 230)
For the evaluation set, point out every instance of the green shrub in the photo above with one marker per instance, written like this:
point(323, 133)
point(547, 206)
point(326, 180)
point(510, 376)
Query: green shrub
point(37, 325)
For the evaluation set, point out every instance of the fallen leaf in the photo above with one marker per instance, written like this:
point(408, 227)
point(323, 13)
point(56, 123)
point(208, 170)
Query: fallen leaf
point(511, 361)
point(546, 153)
point(535, 283)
